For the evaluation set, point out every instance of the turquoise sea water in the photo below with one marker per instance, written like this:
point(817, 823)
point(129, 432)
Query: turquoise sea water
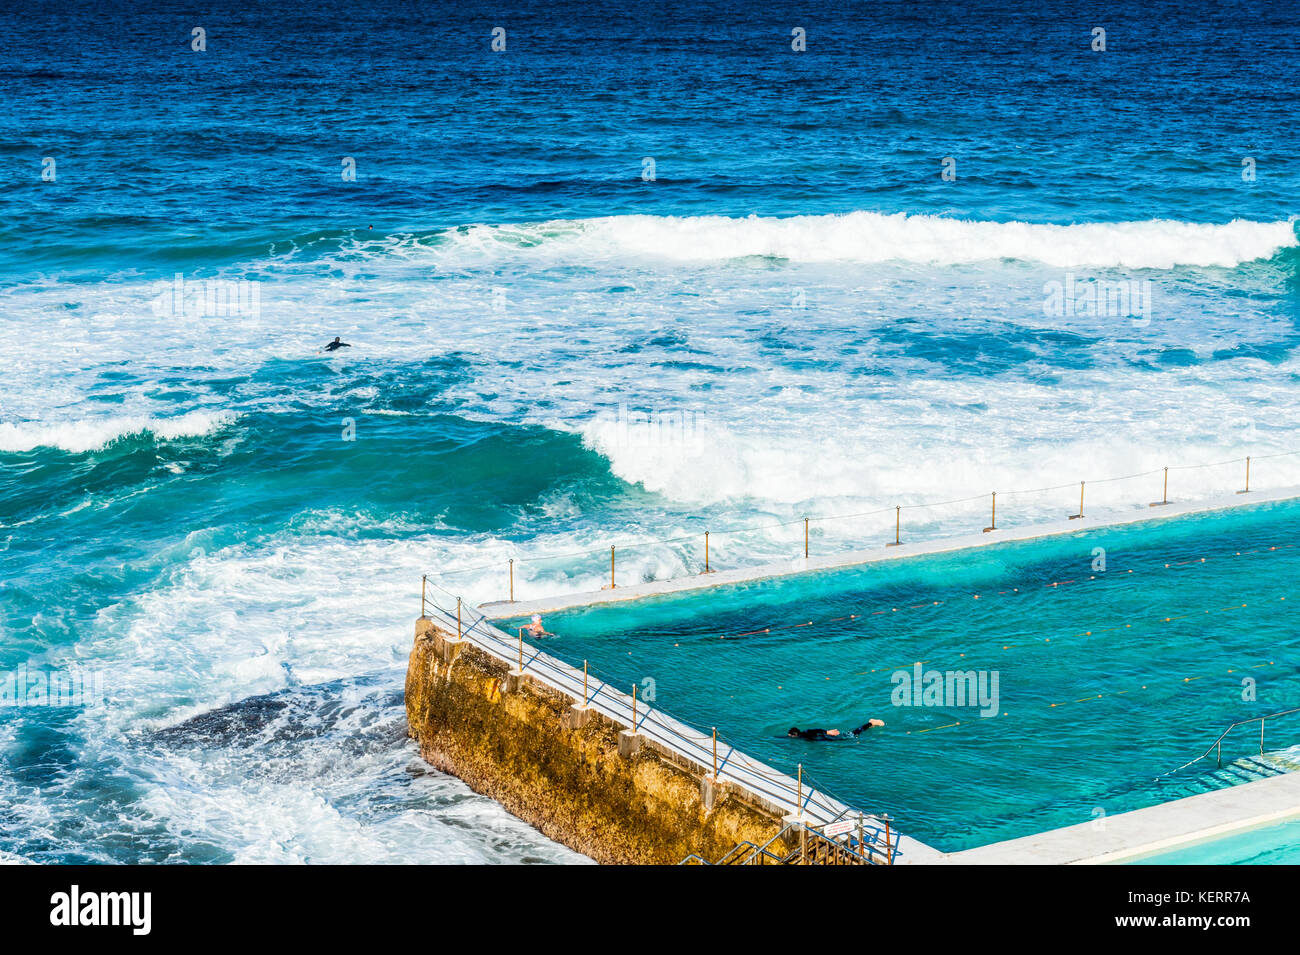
point(556, 346)
point(1106, 678)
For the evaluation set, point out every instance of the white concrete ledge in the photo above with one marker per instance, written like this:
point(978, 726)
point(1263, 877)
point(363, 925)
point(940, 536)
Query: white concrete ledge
point(502, 609)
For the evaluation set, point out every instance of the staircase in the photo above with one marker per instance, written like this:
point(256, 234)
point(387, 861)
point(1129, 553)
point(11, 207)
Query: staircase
point(1247, 769)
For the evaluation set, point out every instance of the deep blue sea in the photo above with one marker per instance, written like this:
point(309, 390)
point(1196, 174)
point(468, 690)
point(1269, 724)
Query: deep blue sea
point(648, 270)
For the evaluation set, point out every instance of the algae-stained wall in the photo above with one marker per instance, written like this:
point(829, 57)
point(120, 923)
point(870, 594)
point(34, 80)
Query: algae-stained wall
point(520, 743)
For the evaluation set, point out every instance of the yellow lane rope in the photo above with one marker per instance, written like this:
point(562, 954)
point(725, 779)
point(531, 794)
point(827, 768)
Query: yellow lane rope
point(1083, 633)
point(1029, 588)
point(1091, 698)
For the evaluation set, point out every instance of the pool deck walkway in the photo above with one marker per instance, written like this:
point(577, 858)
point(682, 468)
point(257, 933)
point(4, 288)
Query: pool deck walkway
point(1143, 832)
point(502, 609)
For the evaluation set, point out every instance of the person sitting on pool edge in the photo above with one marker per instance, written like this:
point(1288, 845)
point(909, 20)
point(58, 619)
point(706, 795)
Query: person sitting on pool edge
point(821, 735)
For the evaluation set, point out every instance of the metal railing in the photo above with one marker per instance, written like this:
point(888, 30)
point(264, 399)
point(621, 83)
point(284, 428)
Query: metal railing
point(1217, 746)
point(811, 846)
point(811, 803)
point(708, 564)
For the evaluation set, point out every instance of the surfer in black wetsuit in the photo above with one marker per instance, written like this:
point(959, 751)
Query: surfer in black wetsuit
point(821, 735)
point(336, 345)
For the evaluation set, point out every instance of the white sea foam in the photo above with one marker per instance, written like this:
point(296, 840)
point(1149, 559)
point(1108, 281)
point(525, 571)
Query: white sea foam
point(867, 237)
point(92, 434)
point(294, 619)
point(897, 384)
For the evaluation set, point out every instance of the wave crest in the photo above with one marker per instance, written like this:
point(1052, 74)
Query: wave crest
point(93, 434)
point(867, 237)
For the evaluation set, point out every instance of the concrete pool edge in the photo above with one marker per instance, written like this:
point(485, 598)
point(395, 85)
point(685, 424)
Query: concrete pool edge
point(1129, 836)
point(500, 610)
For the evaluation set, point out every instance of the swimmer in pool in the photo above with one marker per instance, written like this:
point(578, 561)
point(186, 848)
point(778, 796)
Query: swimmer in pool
point(821, 735)
point(813, 735)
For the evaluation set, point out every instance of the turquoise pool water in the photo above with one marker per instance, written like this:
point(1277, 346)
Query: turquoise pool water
point(1268, 845)
point(1105, 677)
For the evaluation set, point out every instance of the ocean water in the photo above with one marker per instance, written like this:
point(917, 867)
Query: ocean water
point(644, 273)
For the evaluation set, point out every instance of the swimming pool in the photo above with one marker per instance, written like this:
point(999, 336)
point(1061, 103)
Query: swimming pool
point(1112, 655)
point(1268, 845)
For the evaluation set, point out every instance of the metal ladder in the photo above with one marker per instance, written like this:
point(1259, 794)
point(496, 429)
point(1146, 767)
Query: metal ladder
point(1278, 765)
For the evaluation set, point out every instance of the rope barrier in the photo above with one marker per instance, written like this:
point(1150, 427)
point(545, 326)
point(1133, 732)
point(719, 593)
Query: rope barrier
point(1169, 618)
point(1085, 633)
point(1027, 588)
point(1096, 696)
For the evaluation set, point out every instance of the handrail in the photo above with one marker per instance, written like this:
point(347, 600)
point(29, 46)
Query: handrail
point(1218, 743)
point(750, 775)
point(738, 847)
point(763, 851)
point(863, 852)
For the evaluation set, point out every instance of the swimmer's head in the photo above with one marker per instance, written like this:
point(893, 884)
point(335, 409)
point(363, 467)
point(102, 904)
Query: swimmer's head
point(537, 618)
point(792, 731)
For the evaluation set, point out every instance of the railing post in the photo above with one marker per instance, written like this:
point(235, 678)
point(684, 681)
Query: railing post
point(715, 754)
point(706, 553)
point(1247, 491)
point(1075, 517)
point(1261, 737)
point(1218, 758)
point(423, 581)
point(634, 708)
point(584, 682)
point(898, 522)
point(805, 538)
point(993, 518)
point(521, 649)
point(611, 567)
point(458, 633)
point(512, 580)
point(889, 852)
point(1165, 498)
point(800, 806)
